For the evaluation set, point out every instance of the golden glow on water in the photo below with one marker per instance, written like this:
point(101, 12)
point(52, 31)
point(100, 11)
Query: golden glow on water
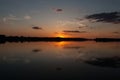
point(61, 44)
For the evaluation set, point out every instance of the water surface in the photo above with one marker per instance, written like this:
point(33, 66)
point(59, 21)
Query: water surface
point(60, 61)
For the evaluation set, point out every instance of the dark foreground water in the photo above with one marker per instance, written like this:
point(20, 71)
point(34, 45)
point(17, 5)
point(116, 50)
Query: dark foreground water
point(60, 61)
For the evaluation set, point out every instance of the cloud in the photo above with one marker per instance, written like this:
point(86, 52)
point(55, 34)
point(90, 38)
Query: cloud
point(110, 17)
point(56, 33)
point(37, 28)
point(80, 27)
point(10, 18)
point(72, 23)
point(58, 10)
point(74, 31)
point(27, 17)
point(116, 32)
point(79, 19)
point(4, 19)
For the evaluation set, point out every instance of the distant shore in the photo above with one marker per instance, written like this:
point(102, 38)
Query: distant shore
point(4, 39)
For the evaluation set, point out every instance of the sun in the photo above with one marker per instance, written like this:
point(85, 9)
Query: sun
point(61, 36)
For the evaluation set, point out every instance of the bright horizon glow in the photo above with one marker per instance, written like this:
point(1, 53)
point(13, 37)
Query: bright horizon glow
point(61, 36)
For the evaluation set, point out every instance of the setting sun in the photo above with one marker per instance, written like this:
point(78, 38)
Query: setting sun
point(61, 36)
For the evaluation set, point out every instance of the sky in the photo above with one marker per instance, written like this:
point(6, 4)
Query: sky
point(60, 18)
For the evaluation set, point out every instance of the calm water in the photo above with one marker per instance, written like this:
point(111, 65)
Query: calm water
point(60, 61)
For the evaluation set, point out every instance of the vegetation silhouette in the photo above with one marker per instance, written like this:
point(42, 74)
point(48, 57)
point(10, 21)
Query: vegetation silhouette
point(4, 38)
point(107, 39)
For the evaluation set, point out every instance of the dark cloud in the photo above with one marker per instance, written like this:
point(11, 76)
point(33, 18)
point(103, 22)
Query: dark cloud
point(80, 27)
point(56, 33)
point(79, 19)
point(116, 32)
point(37, 28)
point(74, 31)
point(59, 10)
point(110, 17)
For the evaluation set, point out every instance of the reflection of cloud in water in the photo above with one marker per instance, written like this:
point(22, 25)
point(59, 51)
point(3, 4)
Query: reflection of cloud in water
point(15, 59)
point(73, 54)
point(36, 50)
point(72, 47)
point(113, 62)
point(58, 68)
point(80, 57)
point(27, 61)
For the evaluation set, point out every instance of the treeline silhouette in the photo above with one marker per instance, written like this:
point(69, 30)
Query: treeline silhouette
point(4, 38)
